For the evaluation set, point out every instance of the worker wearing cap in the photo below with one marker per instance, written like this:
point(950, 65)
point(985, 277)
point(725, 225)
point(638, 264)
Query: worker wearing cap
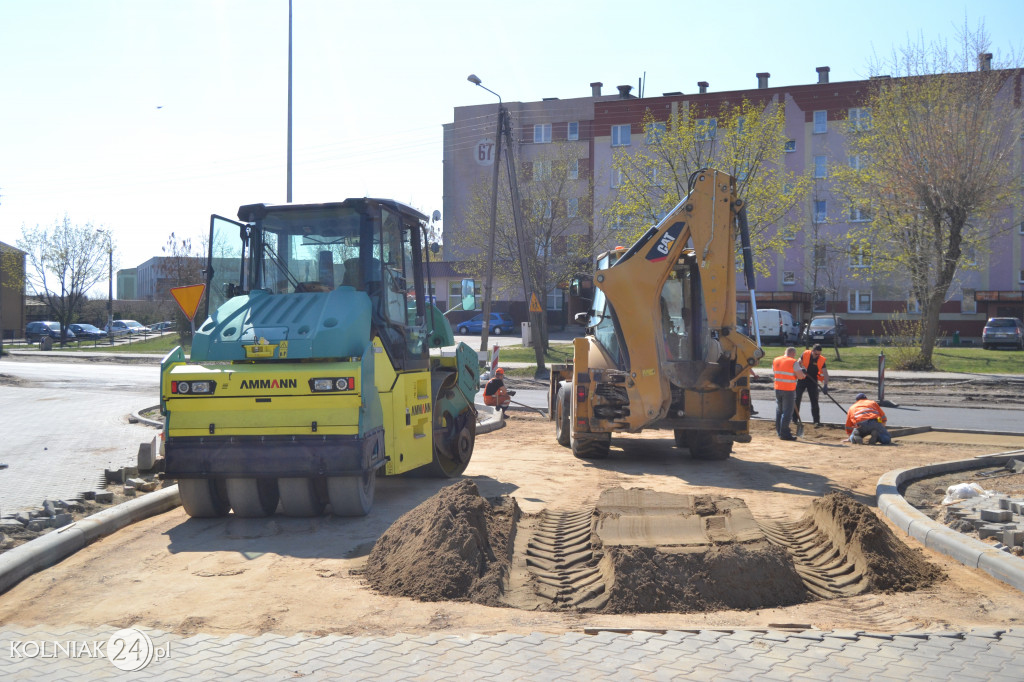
point(787, 372)
point(865, 422)
point(813, 363)
point(495, 393)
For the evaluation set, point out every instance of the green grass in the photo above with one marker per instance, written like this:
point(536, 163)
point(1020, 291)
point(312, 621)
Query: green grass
point(156, 344)
point(966, 360)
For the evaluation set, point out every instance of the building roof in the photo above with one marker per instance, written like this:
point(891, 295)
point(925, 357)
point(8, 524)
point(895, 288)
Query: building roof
point(9, 249)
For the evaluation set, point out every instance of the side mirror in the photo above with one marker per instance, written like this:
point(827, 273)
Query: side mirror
point(581, 318)
point(468, 294)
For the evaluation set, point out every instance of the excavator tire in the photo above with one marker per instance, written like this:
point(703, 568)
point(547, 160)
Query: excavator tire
point(563, 432)
point(592, 448)
point(702, 445)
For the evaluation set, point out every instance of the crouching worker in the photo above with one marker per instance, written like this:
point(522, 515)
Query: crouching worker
point(495, 393)
point(865, 422)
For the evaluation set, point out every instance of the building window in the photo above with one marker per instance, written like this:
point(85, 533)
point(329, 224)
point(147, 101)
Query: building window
point(789, 277)
point(860, 259)
point(455, 294)
point(654, 133)
point(820, 301)
point(618, 177)
point(860, 301)
point(574, 169)
point(970, 254)
point(573, 132)
point(913, 305)
point(859, 215)
point(707, 128)
point(820, 211)
point(820, 167)
point(820, 122)
point(855, 161)
point(819, 255)
point(860, 118)
point(554, 299)
point(542, 208)
point(572, 207)
point(620, 135)
point(542, 133)
point(968, 302)
point(790, 145)
point(541, 170)
point(1020, 229)
point(1020, 278)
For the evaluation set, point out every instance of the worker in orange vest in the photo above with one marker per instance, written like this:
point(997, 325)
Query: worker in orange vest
point(865, 422)
point(495, 393)
point(787, 372)
point(813, 363)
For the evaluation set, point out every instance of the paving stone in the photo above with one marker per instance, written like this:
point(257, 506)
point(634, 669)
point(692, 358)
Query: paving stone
point(104, 497)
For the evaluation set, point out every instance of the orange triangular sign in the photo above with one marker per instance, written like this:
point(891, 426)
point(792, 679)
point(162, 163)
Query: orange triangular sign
point(188, 298)
point(535, 304)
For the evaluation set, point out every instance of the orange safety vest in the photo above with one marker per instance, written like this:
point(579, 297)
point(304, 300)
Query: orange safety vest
point(805, 362)
point(785, 377)
point(862, 411)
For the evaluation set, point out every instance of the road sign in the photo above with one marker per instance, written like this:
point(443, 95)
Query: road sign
point(535, 304)
point(188, 298)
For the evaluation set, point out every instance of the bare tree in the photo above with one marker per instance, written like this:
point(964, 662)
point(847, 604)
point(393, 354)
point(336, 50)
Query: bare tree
point(64, 262)
point(939, 143)
point(182, 265)
point(557, 222)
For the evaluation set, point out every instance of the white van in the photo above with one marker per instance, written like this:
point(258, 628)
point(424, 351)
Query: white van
point(777, 327)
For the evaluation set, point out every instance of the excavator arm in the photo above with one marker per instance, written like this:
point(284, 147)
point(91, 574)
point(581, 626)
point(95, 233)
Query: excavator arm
point(673, 298)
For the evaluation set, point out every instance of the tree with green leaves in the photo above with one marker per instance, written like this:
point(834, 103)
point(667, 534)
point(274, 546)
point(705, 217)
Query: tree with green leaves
point(938, 144)
point(746, 139)
point(64, 262)
point(557, 224)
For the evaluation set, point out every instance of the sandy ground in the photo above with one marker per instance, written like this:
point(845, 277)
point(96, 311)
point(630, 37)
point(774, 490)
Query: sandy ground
point(306, 575)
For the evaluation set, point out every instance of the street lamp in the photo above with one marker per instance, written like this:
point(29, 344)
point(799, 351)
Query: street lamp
point(488, 281)
point(110, 285)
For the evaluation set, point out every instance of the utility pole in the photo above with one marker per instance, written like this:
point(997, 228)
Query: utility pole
point(524, 260)
point(489, 281)
point(288, 193)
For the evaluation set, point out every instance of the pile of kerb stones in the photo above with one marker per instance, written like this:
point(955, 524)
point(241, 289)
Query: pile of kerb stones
point(993, 515)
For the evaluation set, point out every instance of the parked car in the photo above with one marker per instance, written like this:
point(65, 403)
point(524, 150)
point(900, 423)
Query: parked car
point(501, 323)
point(161, 327)
point(86, 331)
point(121, 327)
point(822, 329)
point(34, 331)
point(777, 326)
point(1003, 331)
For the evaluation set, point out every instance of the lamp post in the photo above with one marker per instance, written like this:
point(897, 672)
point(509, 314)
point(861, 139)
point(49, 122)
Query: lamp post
point(110, 285)
point(489, 278)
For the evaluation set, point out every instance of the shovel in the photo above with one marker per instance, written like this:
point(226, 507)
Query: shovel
point(836, 402)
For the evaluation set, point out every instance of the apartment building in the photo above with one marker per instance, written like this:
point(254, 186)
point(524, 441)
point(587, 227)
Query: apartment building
point(818, 120)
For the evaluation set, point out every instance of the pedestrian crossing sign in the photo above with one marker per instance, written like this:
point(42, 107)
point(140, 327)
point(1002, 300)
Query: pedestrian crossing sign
point(535, 304)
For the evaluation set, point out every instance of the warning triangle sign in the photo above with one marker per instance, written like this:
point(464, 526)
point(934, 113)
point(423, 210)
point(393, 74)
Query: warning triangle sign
point(188, 298)
point(535, 304)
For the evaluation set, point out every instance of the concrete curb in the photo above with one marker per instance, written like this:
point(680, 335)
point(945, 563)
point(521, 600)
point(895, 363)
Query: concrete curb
point(148, 422)
point(492, 419)
point(46, 550)
point(934, 535)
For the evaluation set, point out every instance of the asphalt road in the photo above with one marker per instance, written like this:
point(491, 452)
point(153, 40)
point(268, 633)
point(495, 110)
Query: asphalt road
point(64, 423)
point(990, 419)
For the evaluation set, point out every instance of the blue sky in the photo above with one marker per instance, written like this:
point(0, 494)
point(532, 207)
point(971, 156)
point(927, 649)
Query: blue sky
point(146, 116)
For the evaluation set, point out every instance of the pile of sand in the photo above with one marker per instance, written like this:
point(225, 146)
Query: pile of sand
point(456, 545)
point(887, 563)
